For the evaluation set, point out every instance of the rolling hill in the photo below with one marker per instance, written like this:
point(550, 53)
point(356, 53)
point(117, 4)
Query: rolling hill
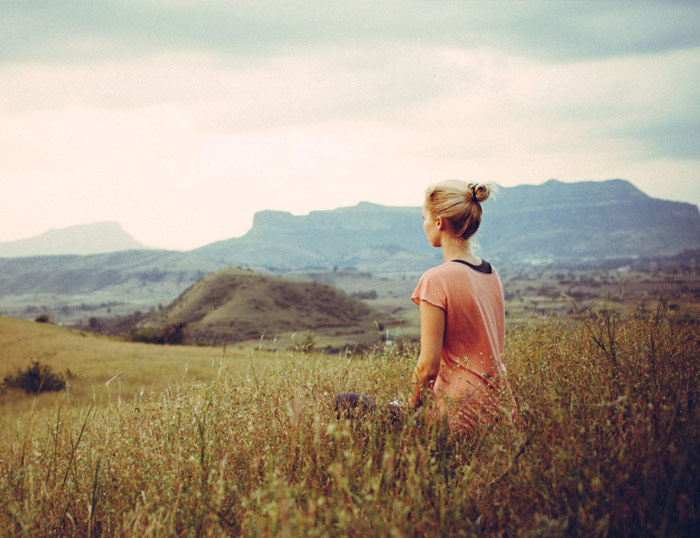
point(231, 305)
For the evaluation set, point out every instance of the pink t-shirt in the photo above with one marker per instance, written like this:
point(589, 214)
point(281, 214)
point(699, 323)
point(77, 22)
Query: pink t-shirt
point(471, 384)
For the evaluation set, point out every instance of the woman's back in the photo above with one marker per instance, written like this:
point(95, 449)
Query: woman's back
point(472, 372)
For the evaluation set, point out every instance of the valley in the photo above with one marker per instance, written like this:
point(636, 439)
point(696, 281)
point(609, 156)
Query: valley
point(532, 295)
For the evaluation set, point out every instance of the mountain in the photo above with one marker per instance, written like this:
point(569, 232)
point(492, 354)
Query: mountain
point(94, 238)
point(367, 235)
point(553, 222)
point(570, 222)
point(231, 305)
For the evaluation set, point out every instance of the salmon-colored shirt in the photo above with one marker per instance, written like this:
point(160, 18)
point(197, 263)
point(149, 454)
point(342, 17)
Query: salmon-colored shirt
point(471, 384)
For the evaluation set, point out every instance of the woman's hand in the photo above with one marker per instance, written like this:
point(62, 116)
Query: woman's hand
point(432, 332)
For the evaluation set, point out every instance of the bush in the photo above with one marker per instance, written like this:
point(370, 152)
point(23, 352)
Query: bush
point(172, 334)
point(35, 379)
point(147, 336)
point(43, 318)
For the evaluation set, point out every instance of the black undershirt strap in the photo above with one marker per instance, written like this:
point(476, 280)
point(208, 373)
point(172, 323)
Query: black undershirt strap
point(484, 267)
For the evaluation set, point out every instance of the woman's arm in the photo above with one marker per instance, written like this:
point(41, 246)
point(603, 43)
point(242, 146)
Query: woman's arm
point(432, 331)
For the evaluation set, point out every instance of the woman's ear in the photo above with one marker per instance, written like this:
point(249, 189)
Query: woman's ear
point(438, 222)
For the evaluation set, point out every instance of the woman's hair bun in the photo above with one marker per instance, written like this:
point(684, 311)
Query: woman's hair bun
point(478, 192)
point(454, 199)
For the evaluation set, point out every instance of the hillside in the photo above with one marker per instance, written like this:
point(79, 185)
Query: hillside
point(96, 238)
point(586, 221)
point(551, 223)
point(236, 304)
point(73, 288)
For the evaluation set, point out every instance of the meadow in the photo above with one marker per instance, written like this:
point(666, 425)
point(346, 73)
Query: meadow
point(106, 370)
point(252, 446)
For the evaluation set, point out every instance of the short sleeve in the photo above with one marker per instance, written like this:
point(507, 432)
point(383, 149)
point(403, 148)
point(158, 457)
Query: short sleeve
point(432, 290)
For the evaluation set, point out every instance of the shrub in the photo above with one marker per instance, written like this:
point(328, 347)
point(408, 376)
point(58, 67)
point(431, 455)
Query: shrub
point(146, 336)
point(172, 334)
point(43, 318)
point(35, 379)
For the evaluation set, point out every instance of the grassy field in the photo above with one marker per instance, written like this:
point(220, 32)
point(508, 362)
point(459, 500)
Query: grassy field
point(89, 361)
point(608, 445)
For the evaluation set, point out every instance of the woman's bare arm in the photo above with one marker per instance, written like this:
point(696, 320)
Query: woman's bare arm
point(432, 331)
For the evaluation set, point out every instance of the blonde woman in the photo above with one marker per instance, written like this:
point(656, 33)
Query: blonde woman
point(460, 367)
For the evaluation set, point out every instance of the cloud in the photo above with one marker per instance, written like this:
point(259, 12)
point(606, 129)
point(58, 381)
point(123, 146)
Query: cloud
point(83, 30)
point(180, 120)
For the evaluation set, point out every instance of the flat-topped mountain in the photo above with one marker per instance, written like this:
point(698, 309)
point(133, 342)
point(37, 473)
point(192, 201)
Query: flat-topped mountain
point(361, 236)
point(570, 222)
point(553, 222)
point(231, 305)
point(94, 238)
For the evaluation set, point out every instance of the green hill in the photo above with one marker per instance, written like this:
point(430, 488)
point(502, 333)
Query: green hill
point(232, 305)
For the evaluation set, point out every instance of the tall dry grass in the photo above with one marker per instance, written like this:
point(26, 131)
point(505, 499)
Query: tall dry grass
point(609, 447)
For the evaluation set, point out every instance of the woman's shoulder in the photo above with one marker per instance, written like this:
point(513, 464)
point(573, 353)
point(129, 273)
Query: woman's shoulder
point(451, 274)
point(437, 271)
point(452, 270)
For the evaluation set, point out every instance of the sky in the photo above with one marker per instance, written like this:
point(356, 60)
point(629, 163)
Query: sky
point(180, 120)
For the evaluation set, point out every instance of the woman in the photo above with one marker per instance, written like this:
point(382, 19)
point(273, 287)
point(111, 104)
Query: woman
point(462, 316)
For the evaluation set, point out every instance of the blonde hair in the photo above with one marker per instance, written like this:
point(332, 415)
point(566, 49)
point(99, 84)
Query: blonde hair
point(459, 203)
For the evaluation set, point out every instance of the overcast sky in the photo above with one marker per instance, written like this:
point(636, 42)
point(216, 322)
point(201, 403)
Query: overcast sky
point(180, 120)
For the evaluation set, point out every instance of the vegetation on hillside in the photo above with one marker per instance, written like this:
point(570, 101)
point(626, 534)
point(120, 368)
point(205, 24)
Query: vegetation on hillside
point(608, 446)
point(36, 378)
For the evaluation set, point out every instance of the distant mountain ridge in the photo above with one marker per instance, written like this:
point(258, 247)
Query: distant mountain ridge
point(137, 272)
point(554, 222)
point(535, 224)
point(97, 238)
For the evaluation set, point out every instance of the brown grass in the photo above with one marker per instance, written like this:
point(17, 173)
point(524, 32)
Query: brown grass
point(609, 447)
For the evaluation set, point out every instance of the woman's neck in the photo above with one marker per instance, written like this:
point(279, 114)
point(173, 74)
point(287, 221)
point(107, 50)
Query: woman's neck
point(457, 249)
